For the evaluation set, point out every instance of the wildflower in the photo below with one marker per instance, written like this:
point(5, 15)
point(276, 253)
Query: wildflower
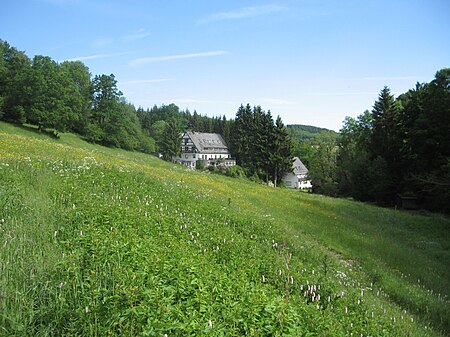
point(81, 233)
point(292, 280)
point(210, 323)
point(86, 309)
point(55, 234)
point(346, 310)
point(263, 279)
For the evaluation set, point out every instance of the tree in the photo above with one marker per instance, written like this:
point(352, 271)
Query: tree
point(322, 171)
point(280, 151)
point(353, 158)
point(14, 74)
point(385, 146)
point(170, 143)
point(103, 123)
point(48, 93)
point(79, 94)
point(426, 145)
point(263, 148)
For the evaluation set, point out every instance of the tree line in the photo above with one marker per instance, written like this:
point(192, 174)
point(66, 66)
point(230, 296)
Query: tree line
point(399, 149)
point(64, 97)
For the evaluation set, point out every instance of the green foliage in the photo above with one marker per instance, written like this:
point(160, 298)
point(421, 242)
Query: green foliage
point(305, 132)
point(15, 68)
point(263, 148)
point(199, 165)
point(170, 143)
point(62, 97)
point(322, 169)
point(400, 148)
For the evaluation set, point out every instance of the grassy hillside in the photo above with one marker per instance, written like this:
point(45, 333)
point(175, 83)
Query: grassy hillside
point(99, 241)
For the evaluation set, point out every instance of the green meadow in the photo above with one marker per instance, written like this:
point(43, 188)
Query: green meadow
point(97, 241)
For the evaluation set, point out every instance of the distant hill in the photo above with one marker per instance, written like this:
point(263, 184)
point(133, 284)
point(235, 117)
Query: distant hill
point(304, 132)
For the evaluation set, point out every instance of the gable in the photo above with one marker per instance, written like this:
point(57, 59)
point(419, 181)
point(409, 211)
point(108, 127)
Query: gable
point(298, 167)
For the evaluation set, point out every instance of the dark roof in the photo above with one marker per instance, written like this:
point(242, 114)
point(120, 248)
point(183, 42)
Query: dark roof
point(205, 142)
point(298, 167)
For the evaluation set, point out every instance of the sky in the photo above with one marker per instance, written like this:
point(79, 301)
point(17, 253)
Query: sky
point(312, 62)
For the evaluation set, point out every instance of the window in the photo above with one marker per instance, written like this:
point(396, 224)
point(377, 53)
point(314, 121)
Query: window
point(193, 156)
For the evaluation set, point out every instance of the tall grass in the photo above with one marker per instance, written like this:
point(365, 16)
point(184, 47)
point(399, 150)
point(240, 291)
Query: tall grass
point(98, 241)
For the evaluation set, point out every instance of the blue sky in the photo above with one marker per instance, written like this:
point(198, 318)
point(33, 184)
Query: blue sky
point(312, 62)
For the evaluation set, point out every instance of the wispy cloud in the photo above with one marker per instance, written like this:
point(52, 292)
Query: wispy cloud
point(96, 56)
point(145, 81)
point(102, 42)
point(276, 101)
point(137, 35)
point(144, 60)
point(356, 93)
point(61, 2)
point(243, 13)
point(191, 100)
point(390, 78)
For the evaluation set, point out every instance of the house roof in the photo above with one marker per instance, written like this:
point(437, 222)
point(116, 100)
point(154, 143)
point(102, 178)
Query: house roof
point(207, 141)
point(298, 167)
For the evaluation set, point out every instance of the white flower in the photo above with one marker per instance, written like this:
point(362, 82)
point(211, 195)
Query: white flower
point(210, 323)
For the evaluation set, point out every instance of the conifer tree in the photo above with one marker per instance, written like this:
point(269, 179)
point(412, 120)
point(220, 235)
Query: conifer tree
point(170, 144)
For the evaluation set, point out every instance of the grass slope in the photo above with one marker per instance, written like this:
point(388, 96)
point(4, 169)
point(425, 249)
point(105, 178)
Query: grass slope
point(99, 241)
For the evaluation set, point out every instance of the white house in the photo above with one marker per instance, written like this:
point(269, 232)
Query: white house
point(207, 147)
point(298, 178)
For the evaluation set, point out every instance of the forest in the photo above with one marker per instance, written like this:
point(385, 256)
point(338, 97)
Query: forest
point(399, 149)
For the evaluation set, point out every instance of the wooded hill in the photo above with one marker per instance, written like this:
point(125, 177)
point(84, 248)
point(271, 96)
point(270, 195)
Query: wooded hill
point(304, 132)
